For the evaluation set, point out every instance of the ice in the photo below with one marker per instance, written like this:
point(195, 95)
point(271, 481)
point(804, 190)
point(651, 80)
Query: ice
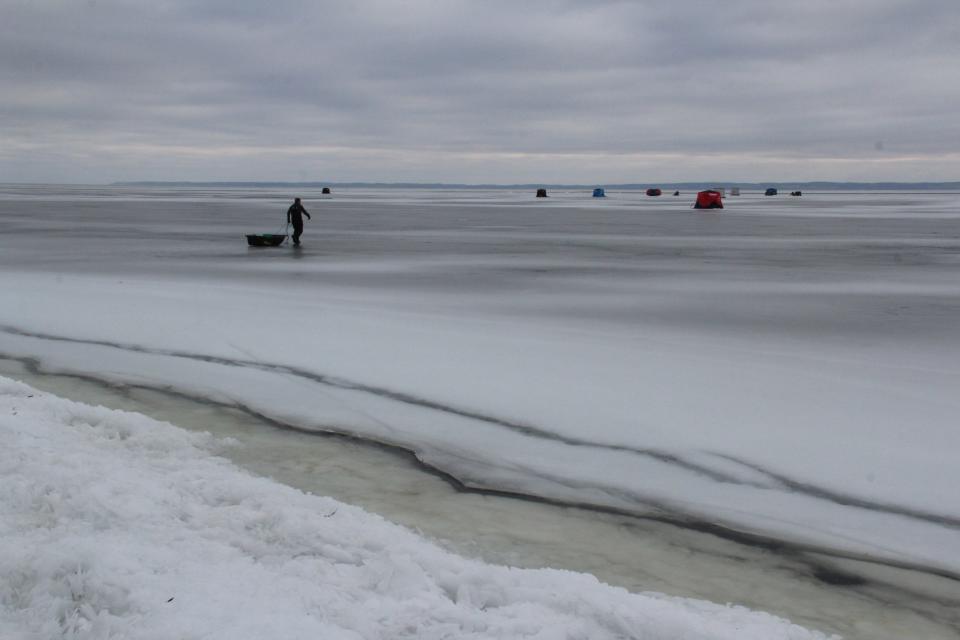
point(116, 525)
point(785, 367)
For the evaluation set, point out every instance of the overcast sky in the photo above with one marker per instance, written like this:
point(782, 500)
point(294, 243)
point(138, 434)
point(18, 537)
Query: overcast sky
point(481, 91)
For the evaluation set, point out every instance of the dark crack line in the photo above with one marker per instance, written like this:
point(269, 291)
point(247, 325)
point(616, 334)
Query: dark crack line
point(525, 429)
point(842, 498)
point(406, 398)
point(657, 512)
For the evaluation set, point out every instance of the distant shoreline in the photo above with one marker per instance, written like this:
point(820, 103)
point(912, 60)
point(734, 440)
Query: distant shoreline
point(814, 186)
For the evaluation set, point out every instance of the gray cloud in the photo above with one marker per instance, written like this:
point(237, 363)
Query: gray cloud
point(479, 91)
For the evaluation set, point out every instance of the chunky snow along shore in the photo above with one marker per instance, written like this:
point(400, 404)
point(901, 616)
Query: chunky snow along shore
point(114, 525)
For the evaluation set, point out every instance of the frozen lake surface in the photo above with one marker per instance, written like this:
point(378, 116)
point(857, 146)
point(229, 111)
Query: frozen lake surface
point(781, 372)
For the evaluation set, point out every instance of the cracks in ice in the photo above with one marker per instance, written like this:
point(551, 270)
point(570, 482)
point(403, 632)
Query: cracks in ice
point(406, 398)
point(842, 498)
point(654, 510)
point(777, 480)
point(525, 429)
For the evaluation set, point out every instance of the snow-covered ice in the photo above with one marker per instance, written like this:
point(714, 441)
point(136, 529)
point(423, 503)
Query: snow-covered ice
point(114, 525)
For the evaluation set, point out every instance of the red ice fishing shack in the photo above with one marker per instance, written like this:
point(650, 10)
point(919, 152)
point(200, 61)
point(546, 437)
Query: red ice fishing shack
point(709, 199)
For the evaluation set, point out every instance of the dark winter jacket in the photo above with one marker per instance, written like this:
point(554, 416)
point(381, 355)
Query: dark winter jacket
point(296, 212)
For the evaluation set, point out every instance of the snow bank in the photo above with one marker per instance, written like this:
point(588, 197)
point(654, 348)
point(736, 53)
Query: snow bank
point(114, 525)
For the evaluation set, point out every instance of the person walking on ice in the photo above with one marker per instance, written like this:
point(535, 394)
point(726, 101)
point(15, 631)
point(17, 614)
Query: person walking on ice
point(295, 216)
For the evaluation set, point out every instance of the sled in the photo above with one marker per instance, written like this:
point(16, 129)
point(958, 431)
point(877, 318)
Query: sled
point(265, 239)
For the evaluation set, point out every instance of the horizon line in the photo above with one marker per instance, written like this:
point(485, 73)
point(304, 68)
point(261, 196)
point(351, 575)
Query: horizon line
point(890, 184)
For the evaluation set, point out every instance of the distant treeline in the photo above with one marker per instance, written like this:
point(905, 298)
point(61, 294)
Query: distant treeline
point(688, 186)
